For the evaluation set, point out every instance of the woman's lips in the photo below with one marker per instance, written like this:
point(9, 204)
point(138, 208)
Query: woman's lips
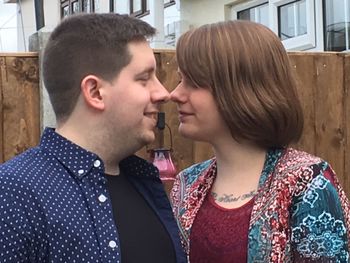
point(183, 115)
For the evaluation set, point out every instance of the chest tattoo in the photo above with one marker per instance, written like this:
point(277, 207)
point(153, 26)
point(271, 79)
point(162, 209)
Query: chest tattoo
point(228, 198)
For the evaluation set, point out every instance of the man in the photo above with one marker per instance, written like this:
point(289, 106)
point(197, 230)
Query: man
point(81, 196)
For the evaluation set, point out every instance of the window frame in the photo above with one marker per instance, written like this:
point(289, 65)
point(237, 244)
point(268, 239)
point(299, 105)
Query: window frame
point(347, 36)
point(170, 3)
point(140, 13)
point(244, 6)
point(64, 3)
point(303, 42)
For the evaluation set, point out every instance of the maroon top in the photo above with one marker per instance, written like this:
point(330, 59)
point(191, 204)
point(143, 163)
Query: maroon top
point(219, 234)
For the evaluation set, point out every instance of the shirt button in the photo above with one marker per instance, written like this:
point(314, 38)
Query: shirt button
point(81, 171)
point(112, 244)
point(102, 198)
point(97, 163)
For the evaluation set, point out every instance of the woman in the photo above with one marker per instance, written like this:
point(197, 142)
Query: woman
point(257, 200)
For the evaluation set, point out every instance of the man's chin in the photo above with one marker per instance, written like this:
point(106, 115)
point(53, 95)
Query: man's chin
point(148, 138)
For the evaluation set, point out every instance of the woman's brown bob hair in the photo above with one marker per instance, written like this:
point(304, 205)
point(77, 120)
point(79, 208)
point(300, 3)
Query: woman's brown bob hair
point(246, 67)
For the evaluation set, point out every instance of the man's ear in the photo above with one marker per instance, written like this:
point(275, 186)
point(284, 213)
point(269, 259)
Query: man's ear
point(91, 91)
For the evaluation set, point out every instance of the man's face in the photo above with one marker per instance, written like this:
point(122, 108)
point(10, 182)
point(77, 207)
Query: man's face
point(133, 99)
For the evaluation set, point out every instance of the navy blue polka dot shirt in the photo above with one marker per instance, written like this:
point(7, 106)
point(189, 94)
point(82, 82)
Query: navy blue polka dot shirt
point(55, 206)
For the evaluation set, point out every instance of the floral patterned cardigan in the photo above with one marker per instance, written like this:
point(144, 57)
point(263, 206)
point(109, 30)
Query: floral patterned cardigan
point(300, 213)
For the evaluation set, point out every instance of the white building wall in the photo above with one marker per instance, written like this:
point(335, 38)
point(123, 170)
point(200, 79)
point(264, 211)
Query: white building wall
point(195, 13)
point(172, 25)
point(8, 27)
point(102, 7)
point(159, 17)
point(26, 20)
point(122, 7)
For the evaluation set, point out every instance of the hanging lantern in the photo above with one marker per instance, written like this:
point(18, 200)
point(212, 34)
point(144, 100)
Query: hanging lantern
point(161, 157)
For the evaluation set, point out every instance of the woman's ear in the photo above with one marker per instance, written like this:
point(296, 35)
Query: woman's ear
point(91, 91)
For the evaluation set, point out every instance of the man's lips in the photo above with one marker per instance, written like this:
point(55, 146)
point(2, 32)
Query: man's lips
point(152, 115)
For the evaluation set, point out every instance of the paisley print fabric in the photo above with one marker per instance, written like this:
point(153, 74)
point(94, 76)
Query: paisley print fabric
point(300, 214)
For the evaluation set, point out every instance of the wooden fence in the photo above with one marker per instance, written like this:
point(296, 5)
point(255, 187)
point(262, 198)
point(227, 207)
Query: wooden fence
point(324, 83)
point(19, 103)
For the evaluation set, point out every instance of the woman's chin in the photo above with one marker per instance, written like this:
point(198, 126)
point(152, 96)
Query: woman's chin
point(187, 133)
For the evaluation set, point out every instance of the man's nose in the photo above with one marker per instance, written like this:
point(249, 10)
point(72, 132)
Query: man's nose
point(160, 94)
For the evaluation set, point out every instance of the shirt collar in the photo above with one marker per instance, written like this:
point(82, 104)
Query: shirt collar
point(80, 161)
point(139, 167)
point(76, 159)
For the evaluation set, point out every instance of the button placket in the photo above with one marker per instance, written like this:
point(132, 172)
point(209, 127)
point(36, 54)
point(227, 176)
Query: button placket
point(108, 240)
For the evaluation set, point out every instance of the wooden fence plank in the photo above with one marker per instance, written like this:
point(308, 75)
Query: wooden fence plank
point(182, 154)
point(305, 73)
point(330, 110)
point(20, 105)
point(345, 180)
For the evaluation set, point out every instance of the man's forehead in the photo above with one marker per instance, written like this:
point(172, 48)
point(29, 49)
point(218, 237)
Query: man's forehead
point(142, 55)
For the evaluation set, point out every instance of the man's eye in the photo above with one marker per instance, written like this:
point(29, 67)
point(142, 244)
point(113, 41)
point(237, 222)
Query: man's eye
point(143, 81)
point(143, 78)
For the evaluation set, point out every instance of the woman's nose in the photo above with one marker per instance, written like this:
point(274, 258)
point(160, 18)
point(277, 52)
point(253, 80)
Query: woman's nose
point(160, 94)
point(177, 95)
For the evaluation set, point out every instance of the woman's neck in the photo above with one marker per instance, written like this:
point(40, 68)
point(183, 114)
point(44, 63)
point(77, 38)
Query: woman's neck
point(239, 166)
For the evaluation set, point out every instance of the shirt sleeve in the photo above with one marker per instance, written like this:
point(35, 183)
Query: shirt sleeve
point(318, 222)
point(17, 242)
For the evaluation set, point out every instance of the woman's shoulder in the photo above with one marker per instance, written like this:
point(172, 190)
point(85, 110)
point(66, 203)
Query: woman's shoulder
point(193, 172)
point(198, 167)
point(299, 169)
point(298, 159)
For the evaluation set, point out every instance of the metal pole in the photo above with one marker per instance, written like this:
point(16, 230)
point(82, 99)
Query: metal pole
point(111, 6)
point(39, 14)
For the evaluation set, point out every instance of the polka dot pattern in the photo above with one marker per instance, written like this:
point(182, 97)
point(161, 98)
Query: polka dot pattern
point(51, 206)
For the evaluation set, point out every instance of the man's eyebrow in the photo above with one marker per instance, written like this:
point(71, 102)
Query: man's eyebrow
point(146, 71)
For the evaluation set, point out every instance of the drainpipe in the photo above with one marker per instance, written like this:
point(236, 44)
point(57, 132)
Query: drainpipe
point(111, 6)
point(39, 14)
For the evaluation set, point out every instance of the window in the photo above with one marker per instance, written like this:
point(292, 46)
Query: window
point(292, 20)
point(257, 11)
point(294, 23)
point(64, 10)
point(75, 7)
point(257, 14)
point(96, 5)
point(87, 6)
point(138, 8)
point(336, 15)
point(69, 7)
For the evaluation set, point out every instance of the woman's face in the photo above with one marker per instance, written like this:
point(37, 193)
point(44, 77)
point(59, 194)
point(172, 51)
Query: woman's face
point(199, 116)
